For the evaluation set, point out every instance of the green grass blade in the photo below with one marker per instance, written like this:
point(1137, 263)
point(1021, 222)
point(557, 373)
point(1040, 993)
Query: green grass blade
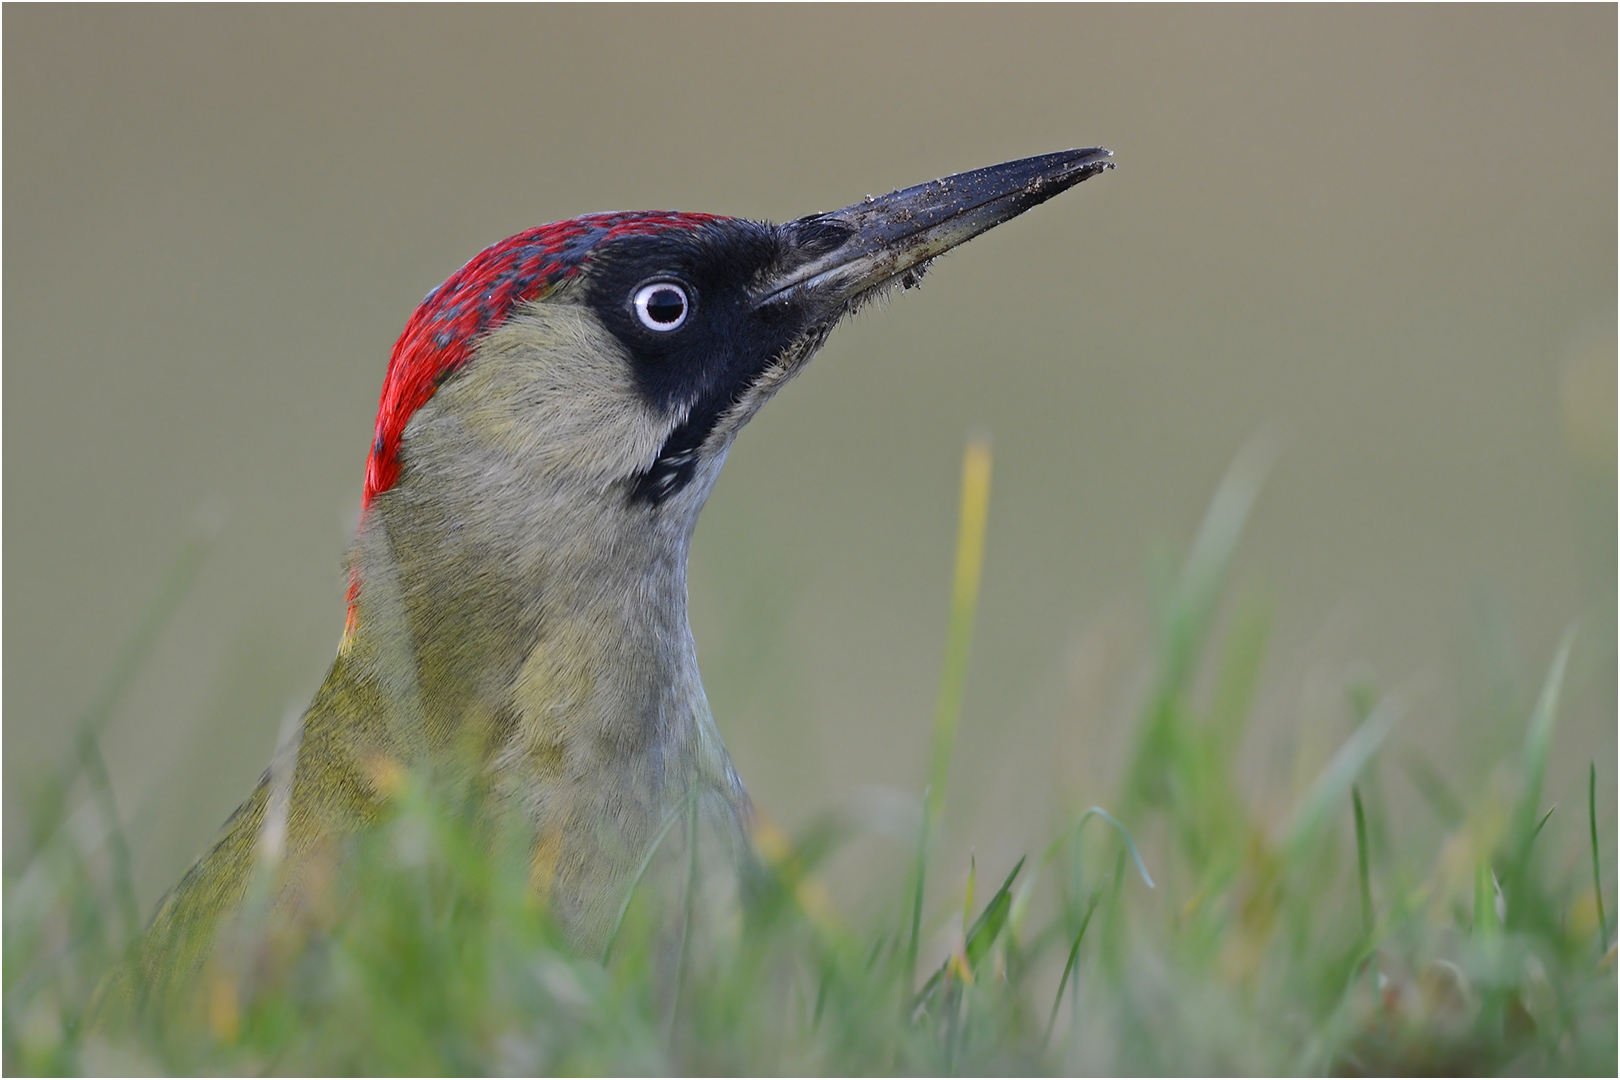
point(154, 619)
point(87, 759)
point(977, 940)
point(1243, 655)
point(1487, 902)
point(1597, 867)
point(123, 876)
point(1205, 570)
point(1184, 614)
point(989, 924)
point(975, 513)
point(670, 819)
point(1537, 830)
point(1068, 967)
point(1333, 782)
point(919, 874)
point(1125, 834)
point(690, 900)
point(1537, 742)
point(967, 896)
point(1368, 920)
point(974, 516)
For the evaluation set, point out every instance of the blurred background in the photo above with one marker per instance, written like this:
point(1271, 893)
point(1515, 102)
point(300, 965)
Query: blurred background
point(1385, 237)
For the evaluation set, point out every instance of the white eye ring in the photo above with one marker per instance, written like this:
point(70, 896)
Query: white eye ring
point(661, 306)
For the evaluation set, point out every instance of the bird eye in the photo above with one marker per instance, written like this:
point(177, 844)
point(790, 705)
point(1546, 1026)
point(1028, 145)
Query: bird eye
point(661, 306)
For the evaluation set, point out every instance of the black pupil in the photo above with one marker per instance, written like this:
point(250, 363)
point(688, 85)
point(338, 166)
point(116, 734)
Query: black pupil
point(665, 306)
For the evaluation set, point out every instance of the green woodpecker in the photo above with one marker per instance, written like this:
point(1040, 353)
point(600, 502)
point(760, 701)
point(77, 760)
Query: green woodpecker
point(552, 420)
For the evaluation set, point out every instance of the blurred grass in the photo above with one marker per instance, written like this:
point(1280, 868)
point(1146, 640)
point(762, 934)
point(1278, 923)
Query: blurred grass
point(1331, 939)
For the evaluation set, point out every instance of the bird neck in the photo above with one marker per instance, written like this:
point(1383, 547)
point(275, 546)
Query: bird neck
point(543, 641)
point(552, 655)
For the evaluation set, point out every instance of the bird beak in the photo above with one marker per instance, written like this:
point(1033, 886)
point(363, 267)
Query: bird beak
point(864, 247)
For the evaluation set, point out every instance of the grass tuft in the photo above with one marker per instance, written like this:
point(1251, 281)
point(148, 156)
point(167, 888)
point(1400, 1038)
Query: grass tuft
point(1253, 947)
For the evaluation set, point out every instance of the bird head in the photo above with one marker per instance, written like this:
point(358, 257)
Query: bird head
point(621, 353)
point(555, 413)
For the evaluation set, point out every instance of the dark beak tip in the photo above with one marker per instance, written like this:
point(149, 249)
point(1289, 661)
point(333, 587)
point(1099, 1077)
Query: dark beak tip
point(881, 238)
point(1083, 165)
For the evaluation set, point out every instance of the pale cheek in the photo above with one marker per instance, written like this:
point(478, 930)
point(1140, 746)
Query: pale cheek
point(549, 395)
point(597, 432)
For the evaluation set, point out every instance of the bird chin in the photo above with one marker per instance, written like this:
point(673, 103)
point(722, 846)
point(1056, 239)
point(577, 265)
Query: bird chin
point(787, 363)
point(880, 292)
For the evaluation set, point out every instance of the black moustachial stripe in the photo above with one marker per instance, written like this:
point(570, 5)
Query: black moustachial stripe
point(677, 460)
